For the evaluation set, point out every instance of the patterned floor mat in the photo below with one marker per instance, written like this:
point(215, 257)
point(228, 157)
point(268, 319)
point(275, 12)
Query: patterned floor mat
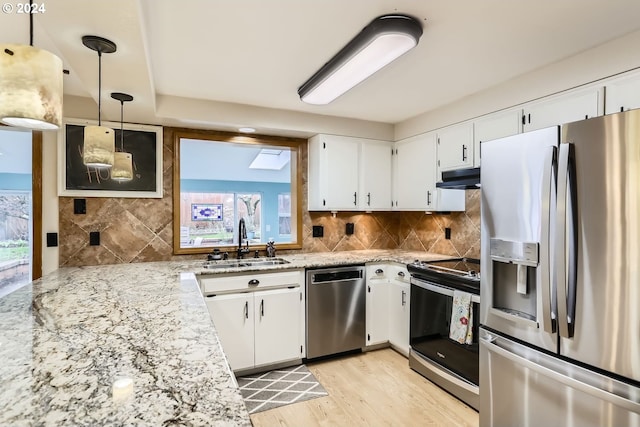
point(279, 387)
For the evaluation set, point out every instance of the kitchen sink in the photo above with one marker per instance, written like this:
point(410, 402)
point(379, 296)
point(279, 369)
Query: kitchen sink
point(249, 262)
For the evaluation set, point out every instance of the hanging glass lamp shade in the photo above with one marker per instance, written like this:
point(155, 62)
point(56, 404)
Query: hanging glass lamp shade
point(30, 87)
point(122, 169)
point(99, 146)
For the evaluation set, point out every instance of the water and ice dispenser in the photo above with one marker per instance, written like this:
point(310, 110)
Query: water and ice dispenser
point(514, 270)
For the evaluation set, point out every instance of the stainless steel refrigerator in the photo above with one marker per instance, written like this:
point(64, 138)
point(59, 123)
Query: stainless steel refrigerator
point(560, 286)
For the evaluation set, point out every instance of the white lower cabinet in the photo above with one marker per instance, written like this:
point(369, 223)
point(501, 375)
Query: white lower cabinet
point(258, 328)
point(377, 310)
point(399, 318)
point(388, 306)
point(276, 325)
point(233, 317)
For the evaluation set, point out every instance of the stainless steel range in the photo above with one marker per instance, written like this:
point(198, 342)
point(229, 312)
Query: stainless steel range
point(444, 311)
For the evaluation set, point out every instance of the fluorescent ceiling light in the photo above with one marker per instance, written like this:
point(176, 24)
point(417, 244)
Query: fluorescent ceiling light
point(379, 43)
point(246, 130)
point(271, 159)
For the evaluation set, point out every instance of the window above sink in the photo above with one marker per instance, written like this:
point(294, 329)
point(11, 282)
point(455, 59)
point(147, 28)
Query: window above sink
point(222, 177)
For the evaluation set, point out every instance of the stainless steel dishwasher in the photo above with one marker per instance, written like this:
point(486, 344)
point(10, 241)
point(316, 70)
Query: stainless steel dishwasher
point(335, 309)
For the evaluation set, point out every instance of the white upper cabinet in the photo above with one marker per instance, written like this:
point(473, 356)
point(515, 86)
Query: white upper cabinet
point(622, 94)
point(375, 175)
point(557, 110)
point(333, 172)
point(414, 166)
point(493, 126)
point(414, 177)
point(347, 173)
point(455, 147)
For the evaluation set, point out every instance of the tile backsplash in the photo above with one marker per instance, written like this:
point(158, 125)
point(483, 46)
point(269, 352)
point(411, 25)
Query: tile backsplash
point(416, 231)
point(138, 230)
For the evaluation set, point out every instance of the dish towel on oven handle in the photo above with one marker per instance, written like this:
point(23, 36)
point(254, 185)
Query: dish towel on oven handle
point(461, 328)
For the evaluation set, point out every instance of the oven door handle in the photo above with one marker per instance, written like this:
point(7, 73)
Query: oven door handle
point(441, 290)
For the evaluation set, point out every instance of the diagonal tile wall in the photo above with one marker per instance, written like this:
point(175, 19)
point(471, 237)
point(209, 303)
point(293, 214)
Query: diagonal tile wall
point(138, 230)
point(416, 231)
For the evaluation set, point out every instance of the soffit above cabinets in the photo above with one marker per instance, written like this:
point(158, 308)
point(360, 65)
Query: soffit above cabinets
point(256, 53)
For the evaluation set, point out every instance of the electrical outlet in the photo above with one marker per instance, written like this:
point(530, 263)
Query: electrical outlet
point(79, 206)
point(318, 231)
point(447, 233)
point(52, 240)
point(350, 228)
point(94, 238)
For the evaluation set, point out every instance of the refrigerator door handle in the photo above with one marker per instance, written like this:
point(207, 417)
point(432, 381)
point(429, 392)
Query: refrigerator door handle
point(596, 392)
point(548, 193)
point(566, 238)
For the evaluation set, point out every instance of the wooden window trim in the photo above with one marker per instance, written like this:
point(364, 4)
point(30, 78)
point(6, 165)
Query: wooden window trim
point(294, 144)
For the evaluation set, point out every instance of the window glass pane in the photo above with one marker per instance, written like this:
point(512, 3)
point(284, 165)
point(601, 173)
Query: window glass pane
point(284, 214)
point(16, 222)
point(249, 209)
point(222, 182)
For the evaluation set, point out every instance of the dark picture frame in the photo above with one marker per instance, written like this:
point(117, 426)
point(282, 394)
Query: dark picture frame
point(76, 179)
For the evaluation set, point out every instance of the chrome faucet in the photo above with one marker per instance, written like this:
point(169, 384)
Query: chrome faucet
point(242, 235)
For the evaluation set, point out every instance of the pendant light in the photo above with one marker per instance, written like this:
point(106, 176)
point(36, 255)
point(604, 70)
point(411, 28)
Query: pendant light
point(122, 169)
point(30, 85)
point(99, 141)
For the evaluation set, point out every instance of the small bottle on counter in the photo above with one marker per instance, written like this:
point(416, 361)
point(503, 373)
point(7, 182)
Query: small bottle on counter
point(271, 249)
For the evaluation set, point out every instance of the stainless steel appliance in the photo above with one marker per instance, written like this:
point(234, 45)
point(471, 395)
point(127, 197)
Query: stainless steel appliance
point(335, 309)
point(446, 362)
point(560, 334)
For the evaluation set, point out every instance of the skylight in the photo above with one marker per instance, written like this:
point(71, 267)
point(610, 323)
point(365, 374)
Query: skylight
point(271, 159)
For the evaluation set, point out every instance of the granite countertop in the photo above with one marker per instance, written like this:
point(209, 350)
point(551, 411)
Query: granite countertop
point(323, 259)
point(127, 344)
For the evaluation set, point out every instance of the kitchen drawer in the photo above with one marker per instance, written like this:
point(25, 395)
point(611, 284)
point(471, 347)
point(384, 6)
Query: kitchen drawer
point(377, 272)
point(399, 273)
point(245, 282)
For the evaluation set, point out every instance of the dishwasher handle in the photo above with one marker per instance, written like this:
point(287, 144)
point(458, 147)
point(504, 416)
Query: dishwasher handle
point(320, 277)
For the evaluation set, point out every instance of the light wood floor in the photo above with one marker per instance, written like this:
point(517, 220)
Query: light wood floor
point(371, 389)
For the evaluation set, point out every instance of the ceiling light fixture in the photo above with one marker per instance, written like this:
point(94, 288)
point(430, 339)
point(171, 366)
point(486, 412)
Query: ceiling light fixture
point(246, 130)
point(99, 141)
point(382, 41)
point(30, 85)
point(122, 169)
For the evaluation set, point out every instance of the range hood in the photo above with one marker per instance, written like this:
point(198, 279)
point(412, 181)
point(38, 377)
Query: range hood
point(461, 179)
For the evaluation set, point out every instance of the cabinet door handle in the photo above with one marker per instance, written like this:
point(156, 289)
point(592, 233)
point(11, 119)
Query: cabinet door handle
point(401, 273)
point(246, 309)
point(254, 282)
point(404, 298)
point(368, 199)
point(355, 198)
point(428, 198)
point(261, 308)
point(379, 271)
point(464, 153)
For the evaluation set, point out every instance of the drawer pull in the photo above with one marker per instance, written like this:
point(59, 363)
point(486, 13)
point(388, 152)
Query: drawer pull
point(379, 271)
point(401, 273)
point(254, 282)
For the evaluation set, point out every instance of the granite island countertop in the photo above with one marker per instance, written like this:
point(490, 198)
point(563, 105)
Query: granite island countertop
point(127, 344)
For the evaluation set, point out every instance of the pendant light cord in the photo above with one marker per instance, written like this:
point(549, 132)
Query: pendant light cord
point(31, 23)
point(122, 126)
point(99, 87)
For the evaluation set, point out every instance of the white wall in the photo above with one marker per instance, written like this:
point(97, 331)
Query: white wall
point(49, 199)
point(224, 116)
point(603, 61)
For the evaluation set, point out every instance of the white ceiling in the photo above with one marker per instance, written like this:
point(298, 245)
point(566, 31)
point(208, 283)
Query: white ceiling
point(258, 52)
